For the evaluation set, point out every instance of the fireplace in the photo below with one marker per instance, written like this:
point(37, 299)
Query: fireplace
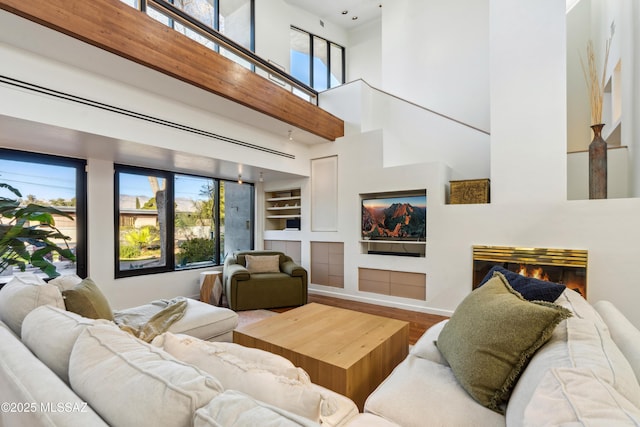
point(566, 266)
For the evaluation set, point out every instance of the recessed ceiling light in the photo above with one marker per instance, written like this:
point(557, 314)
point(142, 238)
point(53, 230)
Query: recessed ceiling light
point(344, 12)
point(353, 18)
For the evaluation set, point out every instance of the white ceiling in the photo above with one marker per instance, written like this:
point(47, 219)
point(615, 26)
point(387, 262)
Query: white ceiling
point(331, 11)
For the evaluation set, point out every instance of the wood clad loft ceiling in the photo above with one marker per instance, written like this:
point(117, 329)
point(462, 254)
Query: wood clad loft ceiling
point(122, 30)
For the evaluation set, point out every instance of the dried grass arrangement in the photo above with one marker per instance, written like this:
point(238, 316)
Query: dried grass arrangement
point(595, 81)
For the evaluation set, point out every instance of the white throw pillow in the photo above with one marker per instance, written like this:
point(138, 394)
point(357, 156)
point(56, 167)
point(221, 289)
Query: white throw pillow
point(294, 395)
point(23, 294)
point(50, 334)
point(263, 263)
point(570, 396)
point(66, 282)
point(233, 408)
point(132, 383)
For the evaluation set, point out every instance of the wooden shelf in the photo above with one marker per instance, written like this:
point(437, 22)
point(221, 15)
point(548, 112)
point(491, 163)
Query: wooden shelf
point(280, 206)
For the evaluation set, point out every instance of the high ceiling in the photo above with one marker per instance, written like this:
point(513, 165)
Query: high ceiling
point(332, 11)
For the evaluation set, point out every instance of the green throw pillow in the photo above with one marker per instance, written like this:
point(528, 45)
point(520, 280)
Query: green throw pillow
point(492, 335)
point(87, 300)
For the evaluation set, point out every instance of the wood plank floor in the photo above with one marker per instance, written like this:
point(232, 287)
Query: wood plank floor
point(418, 322)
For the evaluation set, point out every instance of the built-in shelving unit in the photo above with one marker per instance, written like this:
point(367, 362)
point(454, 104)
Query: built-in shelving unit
point(282, 209)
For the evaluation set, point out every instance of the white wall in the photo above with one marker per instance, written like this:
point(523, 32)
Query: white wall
point(528, 179)
point(528, 171)
point(436, 54)
point(364, 54)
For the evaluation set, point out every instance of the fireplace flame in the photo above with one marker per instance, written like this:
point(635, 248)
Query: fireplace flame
point(535, 272)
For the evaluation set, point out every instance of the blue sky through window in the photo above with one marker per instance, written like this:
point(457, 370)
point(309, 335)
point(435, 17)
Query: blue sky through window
point(45, 182)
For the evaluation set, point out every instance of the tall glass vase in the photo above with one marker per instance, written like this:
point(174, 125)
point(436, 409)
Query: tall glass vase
point(597, 165)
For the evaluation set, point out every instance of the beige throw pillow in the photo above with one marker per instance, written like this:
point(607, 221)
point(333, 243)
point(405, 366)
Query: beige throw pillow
point(87, 300)
point(491, 337)
point(263, 263)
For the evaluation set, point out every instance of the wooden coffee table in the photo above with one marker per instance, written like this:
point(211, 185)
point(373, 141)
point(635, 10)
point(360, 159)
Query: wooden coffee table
point(343, 350)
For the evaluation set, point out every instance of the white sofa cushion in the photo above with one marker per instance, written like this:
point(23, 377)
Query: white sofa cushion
point(235, 409)
point(25, 380)
point(370, 420)
point(426, 348)
point(293, 391)
point(623, 333)
point(200, 320)
point(183, 347)
point(580, 308)
point(132, 383)
point(578, 397)
point(23, 294)
point(421, 392)
point(50, 334)
point(576, 343)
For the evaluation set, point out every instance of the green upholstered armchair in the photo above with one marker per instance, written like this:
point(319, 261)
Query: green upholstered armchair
point(284, 285)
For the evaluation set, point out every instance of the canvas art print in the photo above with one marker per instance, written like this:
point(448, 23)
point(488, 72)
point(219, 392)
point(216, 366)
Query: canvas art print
point(395, 218)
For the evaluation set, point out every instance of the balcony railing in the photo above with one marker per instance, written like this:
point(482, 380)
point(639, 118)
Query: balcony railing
point(234, 51)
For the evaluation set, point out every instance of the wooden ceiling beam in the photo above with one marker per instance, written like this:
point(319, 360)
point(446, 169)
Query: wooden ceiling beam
point(122, 30)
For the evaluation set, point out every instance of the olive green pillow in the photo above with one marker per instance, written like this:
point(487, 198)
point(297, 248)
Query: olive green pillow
point(87, 300)
point(492, 335)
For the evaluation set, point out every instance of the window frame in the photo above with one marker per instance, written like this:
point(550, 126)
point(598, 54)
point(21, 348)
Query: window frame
point(80, 166)
point(170, 265)
point(310, 65)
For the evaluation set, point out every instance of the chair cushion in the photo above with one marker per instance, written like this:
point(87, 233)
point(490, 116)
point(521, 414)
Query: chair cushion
point(23, 294)
point(132, 383)
point(492, 335)
point(87, 300)
point(263, 263)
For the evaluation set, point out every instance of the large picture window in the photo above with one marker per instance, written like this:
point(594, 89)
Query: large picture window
point(59, 182)
point(167, 221)
point(315, 61)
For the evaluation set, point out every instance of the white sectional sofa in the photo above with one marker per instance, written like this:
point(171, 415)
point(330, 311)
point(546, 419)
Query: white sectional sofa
point(58, 368)
point(586, 374)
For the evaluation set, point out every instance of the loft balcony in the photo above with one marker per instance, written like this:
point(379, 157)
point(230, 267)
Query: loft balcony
point(131, 34)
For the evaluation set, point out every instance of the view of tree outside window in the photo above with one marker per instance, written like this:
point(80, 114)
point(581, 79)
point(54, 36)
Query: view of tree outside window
point(315, 61)
point(48, 181)
point(142, 232)
point(195, 220)
point(210, 217)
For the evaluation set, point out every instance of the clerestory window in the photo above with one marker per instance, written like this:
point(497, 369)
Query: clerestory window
point(316, 61)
